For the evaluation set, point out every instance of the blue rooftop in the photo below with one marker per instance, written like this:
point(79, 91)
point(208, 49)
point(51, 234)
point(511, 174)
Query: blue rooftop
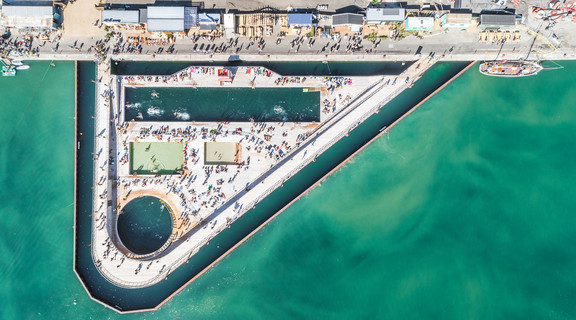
point(299, 19)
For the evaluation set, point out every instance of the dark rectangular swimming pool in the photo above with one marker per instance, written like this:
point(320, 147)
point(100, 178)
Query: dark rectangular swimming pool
point(221, 104)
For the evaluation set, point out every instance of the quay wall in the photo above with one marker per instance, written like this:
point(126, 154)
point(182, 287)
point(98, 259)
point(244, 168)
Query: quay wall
point(77, 150)
point(83, 148)
point(75, 162)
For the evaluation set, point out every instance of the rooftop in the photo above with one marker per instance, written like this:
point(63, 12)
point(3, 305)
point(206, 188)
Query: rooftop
point(27, 16)
point(347, 19)
point(299, 19)
point(458, 18)
point(165, 19)
point(385, 14)
point(121, 16)
point(497, 20)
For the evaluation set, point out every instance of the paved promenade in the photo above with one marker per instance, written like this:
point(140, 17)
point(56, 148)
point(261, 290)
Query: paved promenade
point(475, 55)
point(200, 215)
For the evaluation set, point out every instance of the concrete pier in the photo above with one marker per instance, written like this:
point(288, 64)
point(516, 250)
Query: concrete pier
point(196, 221)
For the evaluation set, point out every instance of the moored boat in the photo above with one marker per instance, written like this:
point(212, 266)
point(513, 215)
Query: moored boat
point(508, 68)
point(8, 71)
point(23, 67)
point(17, 62)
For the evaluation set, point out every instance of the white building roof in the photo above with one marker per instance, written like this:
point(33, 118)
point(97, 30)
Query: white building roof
point(229, 24)
point(165, 12)
point(165, 19)
point(120, 16)
point(27, 16)
point(377, 15)
point(170, 25)
point(415, 23)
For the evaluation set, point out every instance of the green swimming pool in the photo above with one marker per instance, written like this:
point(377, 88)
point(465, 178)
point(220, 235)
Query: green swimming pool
point(156, 157)
point(221, 104)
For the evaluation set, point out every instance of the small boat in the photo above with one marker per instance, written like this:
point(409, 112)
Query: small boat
point(17, 62)
point(8, 71)
point(23, 67)
point(506, 68)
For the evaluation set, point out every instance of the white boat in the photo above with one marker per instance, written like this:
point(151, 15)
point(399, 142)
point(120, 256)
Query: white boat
point(508, 68)
point(17, 62)
point(23, 67)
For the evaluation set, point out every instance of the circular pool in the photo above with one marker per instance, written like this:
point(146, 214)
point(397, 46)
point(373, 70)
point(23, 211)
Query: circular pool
point(144, 225)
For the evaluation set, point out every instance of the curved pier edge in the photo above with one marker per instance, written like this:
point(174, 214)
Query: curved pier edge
point(337, 167)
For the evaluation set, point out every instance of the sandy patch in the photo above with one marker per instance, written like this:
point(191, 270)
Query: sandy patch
point(79, 19)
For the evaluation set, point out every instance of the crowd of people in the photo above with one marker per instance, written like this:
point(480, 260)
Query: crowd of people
point(333, 83)
point(284, 80)
point(22, 46)
point(199, 190)
point(331, 106)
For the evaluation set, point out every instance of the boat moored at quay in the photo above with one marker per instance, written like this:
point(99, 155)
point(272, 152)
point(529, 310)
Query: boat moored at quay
point(510, 68)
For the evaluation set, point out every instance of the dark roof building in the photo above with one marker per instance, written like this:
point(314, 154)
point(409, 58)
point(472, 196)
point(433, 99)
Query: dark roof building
point(462, 4)
point(497, 20)
point(347, 19)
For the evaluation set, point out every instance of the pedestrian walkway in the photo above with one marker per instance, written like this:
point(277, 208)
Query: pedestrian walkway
point(206, 199)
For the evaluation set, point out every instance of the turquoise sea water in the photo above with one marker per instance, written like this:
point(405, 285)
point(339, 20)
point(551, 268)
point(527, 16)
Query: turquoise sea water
point(463, 211)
